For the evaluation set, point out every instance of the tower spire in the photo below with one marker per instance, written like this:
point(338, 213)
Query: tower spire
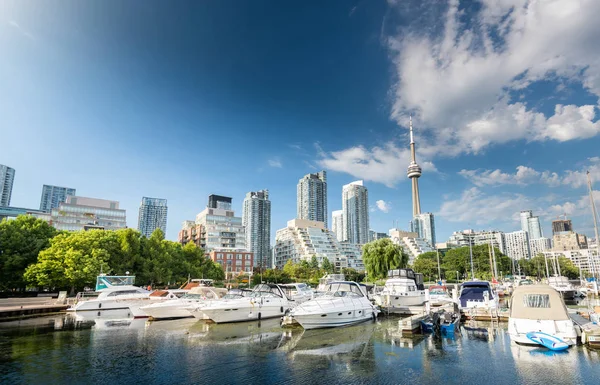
point(414, 172)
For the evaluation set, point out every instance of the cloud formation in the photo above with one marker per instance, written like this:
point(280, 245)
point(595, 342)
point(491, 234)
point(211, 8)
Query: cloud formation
point(275, 162)
point(383, 206)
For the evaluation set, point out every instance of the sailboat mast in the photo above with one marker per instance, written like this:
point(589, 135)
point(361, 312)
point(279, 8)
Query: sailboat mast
point(595, 214)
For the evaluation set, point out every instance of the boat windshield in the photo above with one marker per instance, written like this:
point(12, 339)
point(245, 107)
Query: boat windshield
point(536, 300)
point(438, 291)
point(263, 290)
point(475, 292)
point(344, 289)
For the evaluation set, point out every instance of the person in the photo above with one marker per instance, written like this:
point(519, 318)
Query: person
point(149, 287)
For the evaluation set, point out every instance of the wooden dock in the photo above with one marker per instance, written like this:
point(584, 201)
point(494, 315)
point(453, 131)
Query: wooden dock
point(17, 312)
point(588, 331)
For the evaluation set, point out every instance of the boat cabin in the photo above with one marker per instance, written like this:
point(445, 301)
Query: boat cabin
point(345, 289)
point(475, 291)
point(538, 302)
point(408, 274)
point(268, 290)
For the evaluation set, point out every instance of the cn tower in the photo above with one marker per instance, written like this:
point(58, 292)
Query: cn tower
point(414, 172)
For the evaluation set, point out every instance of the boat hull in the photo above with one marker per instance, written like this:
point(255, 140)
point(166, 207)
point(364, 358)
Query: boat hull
point(518, 329)
point(167, 311)
point(241, 314)
point(334, 319)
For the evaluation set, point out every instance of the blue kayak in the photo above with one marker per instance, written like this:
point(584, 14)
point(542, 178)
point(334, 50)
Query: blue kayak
point(548, 340)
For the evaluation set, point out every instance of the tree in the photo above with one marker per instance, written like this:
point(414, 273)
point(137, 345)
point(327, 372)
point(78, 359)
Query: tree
point(314, 262)
point(426, 264)
point(328, 266)
point(459, 259)
point(352, 275)
point(21, 240)
point(382, 255)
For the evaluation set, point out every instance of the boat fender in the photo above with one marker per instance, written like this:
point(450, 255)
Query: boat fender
point(281, 309)
point(259, 316)
point(99, 305)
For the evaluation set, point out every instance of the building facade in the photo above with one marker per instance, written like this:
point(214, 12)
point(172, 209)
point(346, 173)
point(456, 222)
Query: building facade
point(424, 225)
point(531, 224)
point(411, 243)
point(337, 224)
point(311, 202)
point(81, 213)
point(235, 261)
point(374, 235)
point(587, 260)
point(7, 178)
point(191, 232)
point(256, 219)
point(353, 254)
point(561, 225)
point(569, 240)
point(539, 245)
point(355, 207)
point(301, 240)
point(222, 229)
point(473, 237)
point(53, 196)
point(152, 216)
point(517, 244)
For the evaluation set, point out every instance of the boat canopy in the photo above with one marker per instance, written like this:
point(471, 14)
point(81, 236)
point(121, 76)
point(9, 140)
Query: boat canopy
point(266, 288)
point(106, 281)
point(345, 289)
point(538, 302)
point(474, 291)
point(408, 273)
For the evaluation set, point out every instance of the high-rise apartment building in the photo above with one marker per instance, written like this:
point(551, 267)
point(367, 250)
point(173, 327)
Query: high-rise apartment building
point(473, 237)
point(411, 243)
point(355, 207)
point(80, 213)
point(539, 245)
point(531, 224)
point(152, 216)
point(52, 196)
point(337, 224)
point(311, 203)
point(256, 219)
point(7, 177)
point(374, 235)
point(424, 225)
point(219, 202)
point(561, 225)
point(569, 240)
point(517, 244)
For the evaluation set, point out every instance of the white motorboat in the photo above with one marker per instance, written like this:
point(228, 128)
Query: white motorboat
point(179, 308)
point(265, 301)
point(477, 295)
point(563, 286)
point(298, 292)
point(439, 295)
point(403, 288)
point(195, 309)
point(113, 293)
point(539, 308)
point(344, 303)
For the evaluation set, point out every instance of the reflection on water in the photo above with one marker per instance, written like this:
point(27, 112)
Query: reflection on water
point(118, 349)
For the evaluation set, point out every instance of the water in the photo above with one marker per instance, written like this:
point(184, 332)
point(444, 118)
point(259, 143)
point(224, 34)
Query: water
point(65, 350)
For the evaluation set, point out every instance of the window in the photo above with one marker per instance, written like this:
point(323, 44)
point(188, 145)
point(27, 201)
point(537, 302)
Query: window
point(536, 300)
point(238, 263)
point(247, 257)
point(229, 256)
point(239, 256)
point(220, 255)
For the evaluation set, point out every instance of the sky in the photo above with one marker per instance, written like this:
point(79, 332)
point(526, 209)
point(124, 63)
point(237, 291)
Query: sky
point(180, 100)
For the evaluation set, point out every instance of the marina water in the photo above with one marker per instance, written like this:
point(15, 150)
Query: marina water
point(115, 350)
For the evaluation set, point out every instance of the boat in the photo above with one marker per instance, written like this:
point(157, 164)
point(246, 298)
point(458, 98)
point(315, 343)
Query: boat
point(326, 280)
point(403, 288)
point(445, 323)
point(539, 308)
point(178, 308)
point(298, 292)
point(195, 309)
point(477, 295)
point(112, 293)
point(344, 303)
point(265, 301)
point(563, 286)
point(439, 295)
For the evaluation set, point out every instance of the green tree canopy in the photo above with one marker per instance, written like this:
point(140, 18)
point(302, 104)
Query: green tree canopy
point(21, 240)
point(382, 255)
point(328, 266)
point(459, 260)
point(426, 264)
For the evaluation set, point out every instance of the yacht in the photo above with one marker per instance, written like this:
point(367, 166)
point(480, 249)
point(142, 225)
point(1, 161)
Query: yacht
point(195, 309)
point(298, 292)
point(178, 308)
point(563, 286)
point(539, 308)
point(113, 293)
point(343, 303)
point(439, 295)
point(403, 288)
point(477, 294)
point(265, 301)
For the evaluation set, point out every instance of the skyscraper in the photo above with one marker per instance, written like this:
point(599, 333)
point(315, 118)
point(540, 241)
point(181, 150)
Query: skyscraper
point(256, 218)
point(422, 224)
point(311, 200)
point(7, 177)
point(355, 207)
point(337, 224)
point(531, 224)
point(81, 213)
point(52, 196)
point(561, 225)
point(219, 202)
point(152, 216)
point(517, 244)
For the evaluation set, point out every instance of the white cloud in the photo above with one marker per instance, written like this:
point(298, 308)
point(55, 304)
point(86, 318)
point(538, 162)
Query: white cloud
point(275, 162)
point(383, 206)
point(457, 82)
point(386, 164)
point(477, 208)
point(580, 207)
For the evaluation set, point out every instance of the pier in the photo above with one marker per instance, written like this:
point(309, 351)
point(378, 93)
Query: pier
point(16, 308)
point(588, 331)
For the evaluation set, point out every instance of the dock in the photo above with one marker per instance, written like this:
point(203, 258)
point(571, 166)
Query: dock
point(17, 312)
point(588, 331)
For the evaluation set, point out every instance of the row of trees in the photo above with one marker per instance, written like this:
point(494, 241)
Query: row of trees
point(536, 267)
point(32, 252)
point(306, 271)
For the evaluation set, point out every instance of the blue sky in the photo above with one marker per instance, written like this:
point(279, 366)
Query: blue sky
point(180, 100)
